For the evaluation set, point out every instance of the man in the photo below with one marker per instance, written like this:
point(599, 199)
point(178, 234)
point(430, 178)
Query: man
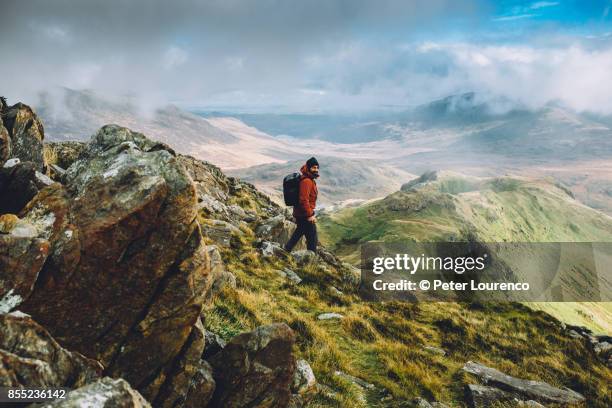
point(304, 211)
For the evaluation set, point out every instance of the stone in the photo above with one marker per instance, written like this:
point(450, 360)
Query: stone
point(201, 388)
point(24, 249)
point(220, 231)
point(255, 369)
point(271, 249)
point(213, 344)
point(329, 316)
point(304, 380)
point(304, 257)
point(481, 396)
point(189, 371)
point(435, 350)
point(523, 389)
point(127, 269)
point(290, 275)
point(30, 357)
point(355, 380)
point(25, 135)
point(11, 163)
point(103, 393)
point(18, 185)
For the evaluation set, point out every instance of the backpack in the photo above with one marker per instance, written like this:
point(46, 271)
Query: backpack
point(291, 189)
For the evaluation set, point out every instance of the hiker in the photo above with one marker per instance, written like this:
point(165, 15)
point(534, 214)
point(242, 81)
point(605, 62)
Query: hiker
point(304, 208)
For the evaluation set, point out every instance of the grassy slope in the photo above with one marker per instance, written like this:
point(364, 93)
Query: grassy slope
point(383, 343)
point(505, 209)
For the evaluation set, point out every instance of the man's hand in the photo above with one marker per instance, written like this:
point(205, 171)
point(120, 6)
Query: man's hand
point(312, 219)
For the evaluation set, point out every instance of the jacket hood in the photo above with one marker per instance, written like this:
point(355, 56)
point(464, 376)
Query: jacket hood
point(306, 172)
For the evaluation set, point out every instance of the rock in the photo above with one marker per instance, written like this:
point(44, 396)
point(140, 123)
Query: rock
point(304, 257)
point(104, 393)
point(57, 173)
point(213, 344)
point(435, 350)
point(277, 229)
point(201, 388)
point(18, 185)
point(190, 371)
point(224, 280)
point(7, 223)
point(481, 396)
point(523, 389)
point(25, 135)
point(220, 231)
point(30, 357)
point(255, 369)
point(304, 380)
point(65, 153)
point(357, 381)
point(271, 249)
point(603, 347)
point(127, 268)
point(292, 276)
point(220, 278)
point(328, 316)
point(11, 163)
point(24, 248)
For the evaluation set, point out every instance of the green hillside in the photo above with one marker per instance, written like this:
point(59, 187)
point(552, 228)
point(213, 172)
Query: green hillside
point(452, 207)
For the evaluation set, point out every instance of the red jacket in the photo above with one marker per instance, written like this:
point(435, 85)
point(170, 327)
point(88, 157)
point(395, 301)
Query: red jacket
point(308, 194)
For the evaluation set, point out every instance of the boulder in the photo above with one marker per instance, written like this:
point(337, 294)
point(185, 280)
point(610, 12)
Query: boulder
point(290, 275)
point(30, 357)
point(271, 249)
point(304, 257)
point(277, 229)
point(213, 344)
point(329, 316)
point(19, 183)
point(304, 380)
point(523, 389)
point(255, 369)
point(220, 278)
point(104, 393)
point(25, 136)
point(189, 381)
point(24, 248)
point(201, 388)
point(127, 268)
point(220, 231)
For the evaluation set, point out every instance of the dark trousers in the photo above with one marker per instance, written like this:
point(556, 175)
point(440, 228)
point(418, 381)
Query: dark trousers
point(304, 227)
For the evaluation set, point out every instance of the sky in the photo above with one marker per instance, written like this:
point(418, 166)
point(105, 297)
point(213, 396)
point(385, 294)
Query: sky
point(310, 56)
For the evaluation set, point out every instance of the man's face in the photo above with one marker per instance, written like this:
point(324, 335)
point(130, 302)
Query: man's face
point(314, 169)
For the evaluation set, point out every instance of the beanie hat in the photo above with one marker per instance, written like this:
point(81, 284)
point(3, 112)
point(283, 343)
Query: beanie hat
point(312, 162)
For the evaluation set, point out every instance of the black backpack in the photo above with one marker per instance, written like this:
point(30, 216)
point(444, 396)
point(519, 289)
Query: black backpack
point(291, 189)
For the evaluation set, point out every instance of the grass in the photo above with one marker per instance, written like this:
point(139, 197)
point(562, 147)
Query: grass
point(384, 343)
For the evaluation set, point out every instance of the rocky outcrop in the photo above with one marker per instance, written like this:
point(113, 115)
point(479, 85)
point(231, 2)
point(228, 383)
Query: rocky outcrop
point(30, 357)
point(127, 270)
point(21, 136)
point(19, 183)
point(501, 387)
point(104, 393)
point(255, 369)
point(600, 345)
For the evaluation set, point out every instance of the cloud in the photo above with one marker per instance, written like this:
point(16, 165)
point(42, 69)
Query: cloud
point(295, 55)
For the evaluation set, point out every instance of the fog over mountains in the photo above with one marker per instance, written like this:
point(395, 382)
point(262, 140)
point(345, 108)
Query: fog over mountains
point(374, 152)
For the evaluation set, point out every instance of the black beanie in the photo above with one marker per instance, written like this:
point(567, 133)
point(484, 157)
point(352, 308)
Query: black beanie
point(312, 162)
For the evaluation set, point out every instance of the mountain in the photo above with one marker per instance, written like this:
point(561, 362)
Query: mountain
point(341, 179)
point(134, 275)
point(76, 115)
point(446, 206)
